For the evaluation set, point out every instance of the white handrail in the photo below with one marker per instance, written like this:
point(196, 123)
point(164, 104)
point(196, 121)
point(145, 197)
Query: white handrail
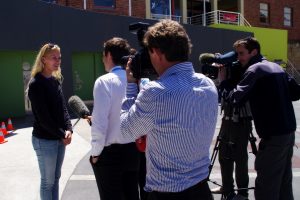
point(161, 16)
point(213, 17)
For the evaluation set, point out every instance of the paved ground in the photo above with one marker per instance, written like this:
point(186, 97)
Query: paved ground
point(19, 176)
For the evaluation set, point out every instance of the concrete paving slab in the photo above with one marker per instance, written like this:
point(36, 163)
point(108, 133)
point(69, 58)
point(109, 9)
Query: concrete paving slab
point(19, 173)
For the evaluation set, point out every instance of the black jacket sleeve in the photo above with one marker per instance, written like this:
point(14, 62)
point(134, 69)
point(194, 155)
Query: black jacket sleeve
point(241, 93)
point(67, 121)
point(294, 88)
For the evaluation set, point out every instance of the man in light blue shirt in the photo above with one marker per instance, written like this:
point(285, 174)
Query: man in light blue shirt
point(177, 112)
point(114, 160)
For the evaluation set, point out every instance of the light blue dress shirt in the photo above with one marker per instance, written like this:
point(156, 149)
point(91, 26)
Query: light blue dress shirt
point(178, 113)
point(109, 91)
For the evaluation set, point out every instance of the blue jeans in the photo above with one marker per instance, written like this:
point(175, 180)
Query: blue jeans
point(50, 154)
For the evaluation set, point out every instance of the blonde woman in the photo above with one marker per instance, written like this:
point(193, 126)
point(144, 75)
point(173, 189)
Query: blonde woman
point(52, 129)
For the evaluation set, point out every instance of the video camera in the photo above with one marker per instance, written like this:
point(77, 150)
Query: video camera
point(209, 62)
point(141, 65)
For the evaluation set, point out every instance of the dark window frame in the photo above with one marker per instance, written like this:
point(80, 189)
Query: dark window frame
point(290, 20)
point(101, 5)
point(160, 7)
point(264, 13)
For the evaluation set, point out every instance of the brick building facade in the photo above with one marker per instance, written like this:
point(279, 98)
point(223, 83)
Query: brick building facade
point(276, 16)
point(276, 20)
point(251, 10)
point(120, 8)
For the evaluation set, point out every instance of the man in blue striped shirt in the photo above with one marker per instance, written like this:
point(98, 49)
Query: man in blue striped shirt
point(177, 112)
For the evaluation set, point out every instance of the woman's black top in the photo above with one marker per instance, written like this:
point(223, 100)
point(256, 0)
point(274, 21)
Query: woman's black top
point(51, 117)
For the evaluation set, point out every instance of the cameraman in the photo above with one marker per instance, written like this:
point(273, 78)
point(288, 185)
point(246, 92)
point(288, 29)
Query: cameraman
point(234, 132)
point(270, 92)
point(178, 112)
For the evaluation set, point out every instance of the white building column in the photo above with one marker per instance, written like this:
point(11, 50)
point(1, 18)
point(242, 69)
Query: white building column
point(241, 6)
point(129, 8)
point(183, 11)
point(214, 5)
point(148, 9)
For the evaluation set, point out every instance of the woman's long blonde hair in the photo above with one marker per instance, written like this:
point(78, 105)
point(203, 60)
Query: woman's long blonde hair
point(39, 65)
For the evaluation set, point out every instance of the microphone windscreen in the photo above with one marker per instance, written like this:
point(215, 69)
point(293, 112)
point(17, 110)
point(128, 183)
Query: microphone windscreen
point(78, 106)
point(207, 58)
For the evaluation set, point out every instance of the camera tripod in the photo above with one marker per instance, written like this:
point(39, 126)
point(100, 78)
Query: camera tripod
point(246, 122)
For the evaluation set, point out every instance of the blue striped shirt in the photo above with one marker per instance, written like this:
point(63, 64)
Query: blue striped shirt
point(178, 113)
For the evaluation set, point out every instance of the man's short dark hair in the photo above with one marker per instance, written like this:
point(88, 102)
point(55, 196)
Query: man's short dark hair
point(250, 43)
point(118, 47)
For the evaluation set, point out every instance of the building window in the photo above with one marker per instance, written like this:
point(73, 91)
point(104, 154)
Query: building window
point(287, 14)
point(264, 13)
point(105, 3)
point(161, 7)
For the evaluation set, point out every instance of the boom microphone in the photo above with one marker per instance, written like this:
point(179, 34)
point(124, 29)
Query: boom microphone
point(209, 58)
point(78, 107)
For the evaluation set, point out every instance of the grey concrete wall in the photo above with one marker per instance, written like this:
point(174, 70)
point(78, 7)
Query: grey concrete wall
point(28, 24)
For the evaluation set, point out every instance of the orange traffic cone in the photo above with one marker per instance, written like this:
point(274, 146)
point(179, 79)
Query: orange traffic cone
point(3, 129)
point(9, 125)
point(2, 139)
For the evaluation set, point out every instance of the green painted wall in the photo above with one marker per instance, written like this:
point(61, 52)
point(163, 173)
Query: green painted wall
point(274, 42)
point(13, 82)
point(15, 68)
point(86, 67)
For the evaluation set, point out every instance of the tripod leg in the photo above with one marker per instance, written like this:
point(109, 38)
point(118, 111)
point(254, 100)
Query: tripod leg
point(213, 159)
point(252, 139)
point(247, 121)
point(214, 154)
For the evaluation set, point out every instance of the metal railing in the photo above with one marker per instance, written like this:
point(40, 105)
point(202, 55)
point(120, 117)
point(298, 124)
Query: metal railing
point(214, 17)
point(161, 16)
point(289, 68)
point(226, 17)
point(292, 71)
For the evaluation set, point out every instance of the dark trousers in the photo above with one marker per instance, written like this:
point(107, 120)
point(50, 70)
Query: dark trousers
point(199, 191)
point(233, 151)
point(142, 176)
point(116, 172)
point(273, 165)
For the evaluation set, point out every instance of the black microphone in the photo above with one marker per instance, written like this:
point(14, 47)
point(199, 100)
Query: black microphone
point(207, 58)
point(78, 107)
